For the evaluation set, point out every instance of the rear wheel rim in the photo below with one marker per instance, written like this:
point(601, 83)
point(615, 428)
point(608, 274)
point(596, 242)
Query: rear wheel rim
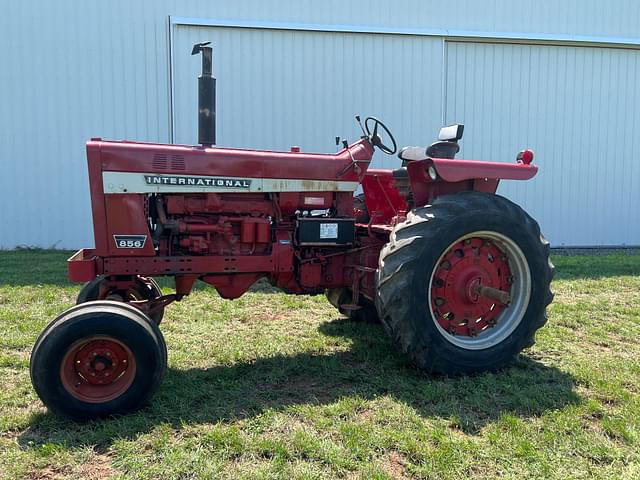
point(97, 369)
point(465, 318)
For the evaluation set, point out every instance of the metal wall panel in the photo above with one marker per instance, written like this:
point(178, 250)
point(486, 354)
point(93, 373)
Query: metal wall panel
point(72, 70)
point(579, 109)
point(282, 88)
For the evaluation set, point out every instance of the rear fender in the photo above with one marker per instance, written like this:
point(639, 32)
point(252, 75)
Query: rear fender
point(457, 170)
point(459, 175)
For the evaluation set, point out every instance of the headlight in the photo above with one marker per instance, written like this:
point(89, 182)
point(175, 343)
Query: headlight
point(432, 173)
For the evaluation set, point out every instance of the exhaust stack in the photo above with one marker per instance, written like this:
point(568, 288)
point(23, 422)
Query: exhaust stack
point(206, 96)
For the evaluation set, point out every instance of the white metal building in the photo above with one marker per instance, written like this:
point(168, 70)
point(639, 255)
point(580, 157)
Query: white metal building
point(560, 76)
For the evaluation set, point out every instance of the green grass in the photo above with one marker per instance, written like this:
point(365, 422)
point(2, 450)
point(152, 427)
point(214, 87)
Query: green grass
point(278, 386)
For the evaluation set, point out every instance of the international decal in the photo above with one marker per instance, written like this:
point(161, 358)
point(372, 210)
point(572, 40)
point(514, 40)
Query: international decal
point(197, 181)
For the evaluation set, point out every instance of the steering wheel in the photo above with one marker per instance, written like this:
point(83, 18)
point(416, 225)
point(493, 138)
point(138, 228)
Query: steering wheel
point(375, 138)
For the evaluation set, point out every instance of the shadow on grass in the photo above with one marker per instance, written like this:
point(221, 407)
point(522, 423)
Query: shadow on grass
point(371, 369)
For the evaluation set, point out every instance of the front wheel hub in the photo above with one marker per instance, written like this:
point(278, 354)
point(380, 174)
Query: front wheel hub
point(479, 289)
point(98, 369)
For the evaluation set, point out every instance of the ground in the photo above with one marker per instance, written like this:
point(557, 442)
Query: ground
point(278, 386)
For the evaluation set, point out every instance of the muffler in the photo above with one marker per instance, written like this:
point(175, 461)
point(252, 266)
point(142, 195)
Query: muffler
point(206, 96)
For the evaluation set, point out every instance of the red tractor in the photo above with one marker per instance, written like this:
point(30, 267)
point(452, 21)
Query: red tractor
point(458, 275)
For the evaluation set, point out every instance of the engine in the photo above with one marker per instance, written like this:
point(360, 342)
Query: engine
point(212, 224)
point(228, 224)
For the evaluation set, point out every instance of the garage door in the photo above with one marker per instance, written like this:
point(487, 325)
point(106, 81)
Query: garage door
point(280, 88)
point(579, 109)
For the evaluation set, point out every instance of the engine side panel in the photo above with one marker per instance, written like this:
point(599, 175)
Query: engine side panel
point(186, 212)
point(127, 226)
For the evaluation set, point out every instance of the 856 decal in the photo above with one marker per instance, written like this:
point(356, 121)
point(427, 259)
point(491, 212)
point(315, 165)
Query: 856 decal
point(130, 241)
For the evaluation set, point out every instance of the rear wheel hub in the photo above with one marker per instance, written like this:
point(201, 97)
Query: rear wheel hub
point(472, 287)
point(463, 268)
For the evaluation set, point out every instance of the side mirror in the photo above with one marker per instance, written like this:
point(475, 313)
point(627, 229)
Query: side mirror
point(452, 133)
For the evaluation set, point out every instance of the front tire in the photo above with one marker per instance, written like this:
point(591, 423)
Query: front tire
point(463, 283)
point(96, 359)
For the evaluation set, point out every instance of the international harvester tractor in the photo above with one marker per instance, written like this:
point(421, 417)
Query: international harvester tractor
point(458, 276)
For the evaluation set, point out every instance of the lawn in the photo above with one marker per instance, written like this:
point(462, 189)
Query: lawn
point(278, 386)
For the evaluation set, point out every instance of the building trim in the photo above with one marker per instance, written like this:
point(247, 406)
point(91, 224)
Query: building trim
point(525, 37)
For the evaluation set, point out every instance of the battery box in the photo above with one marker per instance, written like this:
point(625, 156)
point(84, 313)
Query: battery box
point(325, 231)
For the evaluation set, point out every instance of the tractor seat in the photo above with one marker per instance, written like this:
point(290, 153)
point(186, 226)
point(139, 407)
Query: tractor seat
point(440, 149)
point(443, 149)
point(446, 146)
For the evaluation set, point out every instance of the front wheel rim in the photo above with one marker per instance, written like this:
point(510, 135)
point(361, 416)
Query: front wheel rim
point(97, 369)
point(464, 317)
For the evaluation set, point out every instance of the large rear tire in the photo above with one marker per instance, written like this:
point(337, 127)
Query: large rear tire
point(463, 284)
point(96, 359)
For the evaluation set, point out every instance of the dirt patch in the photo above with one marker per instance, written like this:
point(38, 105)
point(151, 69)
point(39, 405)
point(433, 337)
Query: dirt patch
point(97, 467)
point(10, 435)
point(394, 466)
point(50, 473)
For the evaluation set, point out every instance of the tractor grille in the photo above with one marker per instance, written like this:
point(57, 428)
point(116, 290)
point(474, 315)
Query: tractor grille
point(177, 162)
point(160, 161)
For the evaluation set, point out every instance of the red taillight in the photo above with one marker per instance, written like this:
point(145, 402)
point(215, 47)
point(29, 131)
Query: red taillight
point(525, 156)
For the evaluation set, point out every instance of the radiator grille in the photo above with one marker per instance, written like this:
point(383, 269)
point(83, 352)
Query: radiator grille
point(177, 162)
point(159, 161)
